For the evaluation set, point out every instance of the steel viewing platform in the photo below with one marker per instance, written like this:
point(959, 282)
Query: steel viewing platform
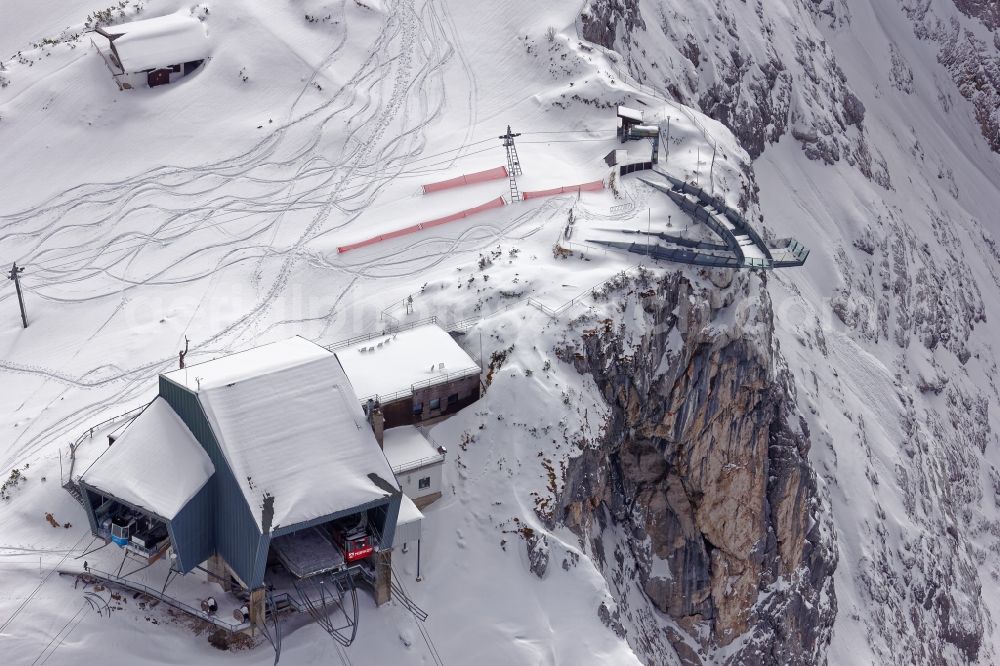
point(742, 246)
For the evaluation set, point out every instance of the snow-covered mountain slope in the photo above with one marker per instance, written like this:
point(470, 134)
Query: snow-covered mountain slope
point(672, 466)
point(886, 330)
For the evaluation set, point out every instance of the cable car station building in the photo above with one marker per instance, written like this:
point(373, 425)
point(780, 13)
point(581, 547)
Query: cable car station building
point(259, 468)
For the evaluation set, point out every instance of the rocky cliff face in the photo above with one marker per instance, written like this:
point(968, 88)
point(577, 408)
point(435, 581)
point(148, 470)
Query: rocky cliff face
point(885, 333)
point(704, 475)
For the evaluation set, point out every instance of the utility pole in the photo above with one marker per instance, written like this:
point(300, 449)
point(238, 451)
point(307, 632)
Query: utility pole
point(666, 157)
point(697, 169)
point(711, 170)
point(15, 273)
point(513, 163)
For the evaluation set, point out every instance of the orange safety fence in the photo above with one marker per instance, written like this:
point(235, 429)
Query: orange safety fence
point(495, 203)
point(583, 187)
point(467, 179)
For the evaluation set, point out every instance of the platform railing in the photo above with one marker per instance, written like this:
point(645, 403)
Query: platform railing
point(66, 476)
point(389, 330)
point(417, 464)
point(167, 599)
point(441, 378)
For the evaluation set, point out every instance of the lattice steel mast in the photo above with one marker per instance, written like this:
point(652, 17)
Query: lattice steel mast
point(513, 163)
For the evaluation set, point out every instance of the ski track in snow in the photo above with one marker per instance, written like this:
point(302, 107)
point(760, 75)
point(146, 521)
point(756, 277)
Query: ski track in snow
point(325, 192)
point(269, 216)
point(420, 46)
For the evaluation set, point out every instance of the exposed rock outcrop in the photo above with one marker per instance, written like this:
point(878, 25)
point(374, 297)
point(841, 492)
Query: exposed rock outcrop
point(607, 22)
point(538, 554)
point(987, 11)
point(908, 290)
point(713, 58)
point(705, 468)
point(974, 64)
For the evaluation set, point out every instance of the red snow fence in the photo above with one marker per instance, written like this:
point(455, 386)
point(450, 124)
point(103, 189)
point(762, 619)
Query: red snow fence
point(595, 186)
point(467, 179)
point(495, 203)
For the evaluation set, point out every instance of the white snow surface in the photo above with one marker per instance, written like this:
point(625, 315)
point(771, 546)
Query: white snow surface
point(405, 445)
point(391, 364)
point(295, 431)
point(160, 42)
point(236, 205)
point(155, 464)
point(222, 226)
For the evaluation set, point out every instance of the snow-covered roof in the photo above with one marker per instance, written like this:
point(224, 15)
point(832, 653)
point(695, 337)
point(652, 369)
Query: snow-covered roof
point(390, 365)
point(408, 524)
point(156, 464)
point(630, 113)
point(158, 42)
point(406, 448)
point(262, 360)
point(290, 426)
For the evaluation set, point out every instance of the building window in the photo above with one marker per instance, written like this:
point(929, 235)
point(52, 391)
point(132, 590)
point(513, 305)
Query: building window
point(453, 398)
point(436, 403)
point(418, 408)
point(424, 483)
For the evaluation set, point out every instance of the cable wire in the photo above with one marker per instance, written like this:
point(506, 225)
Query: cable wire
point(61, 260)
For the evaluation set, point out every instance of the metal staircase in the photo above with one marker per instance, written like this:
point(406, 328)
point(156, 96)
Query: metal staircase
point(74, 490)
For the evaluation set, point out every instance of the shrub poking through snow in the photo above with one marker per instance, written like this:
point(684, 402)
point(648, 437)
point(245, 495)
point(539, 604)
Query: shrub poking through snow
point(13, 481)
point(497, 359)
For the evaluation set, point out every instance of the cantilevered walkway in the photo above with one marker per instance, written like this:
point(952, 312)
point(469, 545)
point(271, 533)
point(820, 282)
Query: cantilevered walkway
point(742, 246)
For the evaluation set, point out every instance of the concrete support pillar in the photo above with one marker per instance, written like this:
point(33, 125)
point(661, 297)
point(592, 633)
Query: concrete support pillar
point(383, 577)
point(218, 572)
point(257, 613)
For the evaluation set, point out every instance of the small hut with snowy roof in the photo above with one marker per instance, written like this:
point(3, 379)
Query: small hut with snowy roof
point(155, 51)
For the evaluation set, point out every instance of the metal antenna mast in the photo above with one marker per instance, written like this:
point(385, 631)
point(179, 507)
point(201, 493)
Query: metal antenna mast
point(15, 273)
point(513, 163)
